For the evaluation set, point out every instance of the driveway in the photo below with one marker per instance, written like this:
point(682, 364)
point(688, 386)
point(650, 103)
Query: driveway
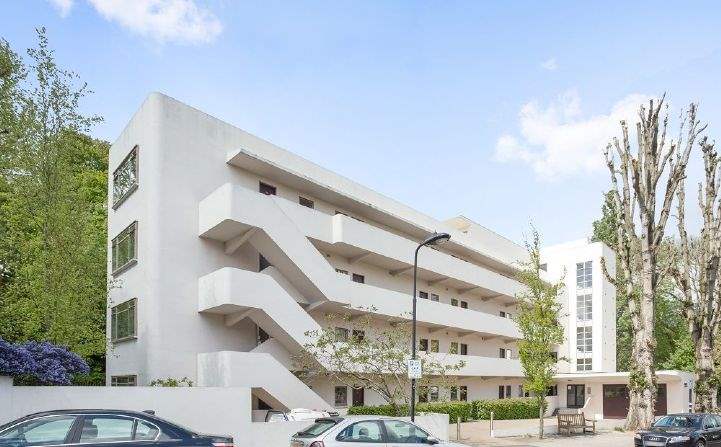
point(607, 439)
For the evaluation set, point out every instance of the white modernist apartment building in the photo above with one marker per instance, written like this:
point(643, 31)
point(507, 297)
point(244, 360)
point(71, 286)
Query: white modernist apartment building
point(226, 250)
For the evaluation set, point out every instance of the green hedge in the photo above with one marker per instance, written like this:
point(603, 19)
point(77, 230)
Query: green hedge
point(462, 410)
point(521, 408)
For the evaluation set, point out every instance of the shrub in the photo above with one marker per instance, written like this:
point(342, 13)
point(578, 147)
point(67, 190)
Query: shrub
point(43, 361)
point(520, 408)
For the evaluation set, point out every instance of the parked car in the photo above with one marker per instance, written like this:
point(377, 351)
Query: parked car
point(682, 430)
point(102, 428)
point(372, 431)
point(296, 414)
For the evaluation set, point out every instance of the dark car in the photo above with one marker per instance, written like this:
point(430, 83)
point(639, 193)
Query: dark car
point(102, 428)
point(682, 430)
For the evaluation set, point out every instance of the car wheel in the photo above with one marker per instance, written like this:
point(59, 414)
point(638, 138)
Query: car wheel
point(700, 443)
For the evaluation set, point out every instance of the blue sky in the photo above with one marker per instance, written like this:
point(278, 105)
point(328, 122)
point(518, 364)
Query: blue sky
point(494, 110)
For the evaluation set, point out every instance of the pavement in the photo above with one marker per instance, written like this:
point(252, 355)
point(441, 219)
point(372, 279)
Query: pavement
point(478, 434)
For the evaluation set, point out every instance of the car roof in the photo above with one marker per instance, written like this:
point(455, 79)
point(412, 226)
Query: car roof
point(89, 411)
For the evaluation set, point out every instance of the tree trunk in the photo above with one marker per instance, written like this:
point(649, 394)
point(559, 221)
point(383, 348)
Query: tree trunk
point(540, 421)
point(642, 379)
point(705, 387)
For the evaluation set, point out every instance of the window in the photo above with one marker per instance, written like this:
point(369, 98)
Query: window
point(106, 429)
point(261, 336)
point(423, 345)
point(554, 356)
point(502, 314)
point(584, 273)
point(584, 307)
point(504, 391)
point(521, 393)
point(435, 346)
point(584, 364)
point(464, 304)
point(263, 263)
point(552, 390)
point(464, 349)
point(123, 318)
point(435, 297)
point(422, 295)
point(584, 339)
point(400, 432)
point(341, 271)
point(341, 334)
point(125, 178)
point(365, 431)
point(509, 315)
point(454, 302)
point(464, 393)
point(145, 431)
point(359, 278)
point(453, 348)
point(37, 432)
point(502, 353)
point(341, 396)
point(306, 202)
point(422, 394)
point(124, 380)
point(359, 334)
point(575, 396)
point(268, 190)
point(454, 393)
point(433, 394)
point(123, 251)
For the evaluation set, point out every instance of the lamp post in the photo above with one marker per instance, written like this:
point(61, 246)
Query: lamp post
point(434, 239)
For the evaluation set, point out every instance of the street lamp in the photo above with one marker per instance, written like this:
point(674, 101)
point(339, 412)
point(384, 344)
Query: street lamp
point(434, 239)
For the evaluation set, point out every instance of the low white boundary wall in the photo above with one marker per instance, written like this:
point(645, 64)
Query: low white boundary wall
point(222, 411)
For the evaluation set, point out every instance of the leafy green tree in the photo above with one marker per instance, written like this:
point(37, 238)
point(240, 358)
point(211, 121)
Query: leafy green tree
point(538, 321)
point(53, 181)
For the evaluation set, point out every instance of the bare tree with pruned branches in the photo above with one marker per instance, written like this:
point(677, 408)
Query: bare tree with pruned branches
point(696, 272)
point(644, 183)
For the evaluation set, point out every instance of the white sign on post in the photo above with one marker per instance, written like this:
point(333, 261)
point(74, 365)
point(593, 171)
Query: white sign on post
point(414, 369)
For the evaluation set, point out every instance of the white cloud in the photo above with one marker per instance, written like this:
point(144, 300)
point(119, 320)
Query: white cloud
point(557, 142)
point(161, 20)
point(550, 64)
point(63, 6)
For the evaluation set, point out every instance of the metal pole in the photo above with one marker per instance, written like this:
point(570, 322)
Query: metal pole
point(413, 338)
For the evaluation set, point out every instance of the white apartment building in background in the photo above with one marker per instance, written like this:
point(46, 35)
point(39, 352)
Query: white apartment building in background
point(225, 250)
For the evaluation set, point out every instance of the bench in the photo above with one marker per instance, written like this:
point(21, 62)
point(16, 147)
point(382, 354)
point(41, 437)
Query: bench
point(569, 422)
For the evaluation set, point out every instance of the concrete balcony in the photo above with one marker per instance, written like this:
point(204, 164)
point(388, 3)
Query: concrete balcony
point(230, 211)
point(477, 366)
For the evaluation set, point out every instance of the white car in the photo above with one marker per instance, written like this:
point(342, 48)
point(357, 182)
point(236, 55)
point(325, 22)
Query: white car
point(372, 431)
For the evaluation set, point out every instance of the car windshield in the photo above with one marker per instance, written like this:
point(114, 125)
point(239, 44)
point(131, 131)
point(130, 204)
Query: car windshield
point(319, 427)
point(678, 422)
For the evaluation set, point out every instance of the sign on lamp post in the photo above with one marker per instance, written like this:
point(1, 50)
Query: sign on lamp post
point(415, 370)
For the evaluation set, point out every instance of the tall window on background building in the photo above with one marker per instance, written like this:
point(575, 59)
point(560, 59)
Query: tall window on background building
point(584, 307)
point(584, 339)
point(584, 275)
point(125, 178)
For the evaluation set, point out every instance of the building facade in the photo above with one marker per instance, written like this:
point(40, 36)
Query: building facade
point(225, 250)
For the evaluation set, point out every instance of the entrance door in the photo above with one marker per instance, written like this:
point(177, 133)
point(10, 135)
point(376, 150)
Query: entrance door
point(615, 401)
point(575, 396)
point(358, 397)
point(660, 409)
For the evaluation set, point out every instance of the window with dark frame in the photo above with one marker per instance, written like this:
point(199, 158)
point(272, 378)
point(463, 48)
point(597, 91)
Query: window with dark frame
point(435, 345)
point(306, 202)
point(463, 393)
point(435, 297)
point(341, 396)
point(422, 295)
point(124, 248)
point(453, 348)
point(464, 349)
point(433, 394)
point(341, 271)
point(454, 393)
point(125, 178)
point(123, 321)
point(359, 278)
point(423, 345)
point(268, 190)
point(359, 335)
point(464, 304)
point(127, 380)
point(454, 302)
point(341, 333)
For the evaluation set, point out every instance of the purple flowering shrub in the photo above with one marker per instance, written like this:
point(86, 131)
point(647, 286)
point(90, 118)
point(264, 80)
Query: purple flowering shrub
point(44, 361)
